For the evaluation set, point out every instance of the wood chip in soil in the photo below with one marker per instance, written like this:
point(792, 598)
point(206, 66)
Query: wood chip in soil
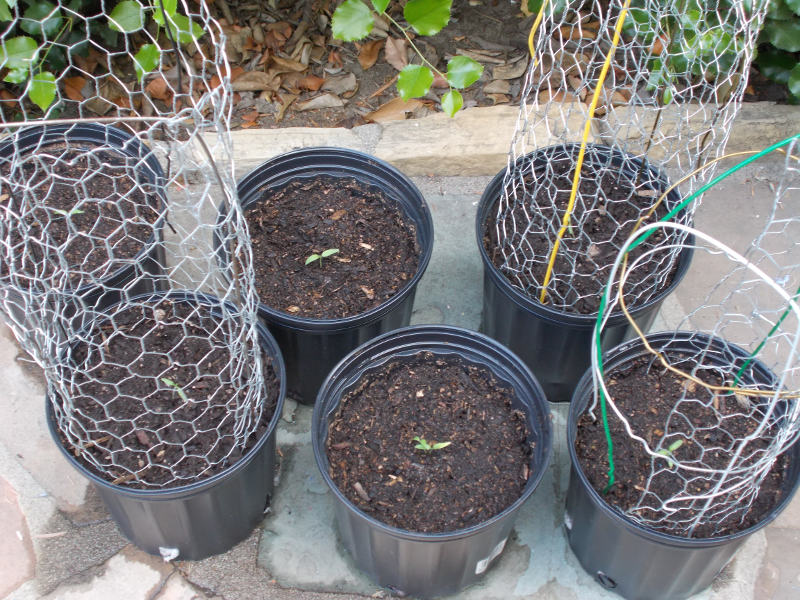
point(87, 201)
point(377, 256)
point(583, 262)
point(139, 421)
point(646, 394)
point(371, 448)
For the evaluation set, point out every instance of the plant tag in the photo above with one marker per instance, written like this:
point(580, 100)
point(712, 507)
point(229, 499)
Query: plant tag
point(568, 521)
point(484, 564)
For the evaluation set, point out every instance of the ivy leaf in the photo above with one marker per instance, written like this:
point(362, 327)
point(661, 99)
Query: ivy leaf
point(462, 72)
point(18, 52)
point(146, 60)
point(170, 7)
point(16, 76)
point(43, 89)
point(414, 81)
point(452, 102)
point(184, 29)
point(427, 17)
point(41, 19)
point(794, 5)
point(352, 21)
point(127, 17)
point(794, 81)
point(783, 34)
point(5, 13)
point(775, 64)
point(380, 5)
point(556, 7)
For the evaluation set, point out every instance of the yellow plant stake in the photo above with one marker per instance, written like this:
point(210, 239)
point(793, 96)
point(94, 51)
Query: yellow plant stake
point(565, 223)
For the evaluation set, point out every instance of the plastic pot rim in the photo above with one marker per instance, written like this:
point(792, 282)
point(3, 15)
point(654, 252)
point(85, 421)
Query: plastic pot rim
point(404, 350)
point(578, 405)
point(27, 138)
point(376, 313)
point(188, 489)
point(545, 311)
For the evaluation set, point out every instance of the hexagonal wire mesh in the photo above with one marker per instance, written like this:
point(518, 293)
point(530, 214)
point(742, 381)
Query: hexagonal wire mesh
point(722, 387)
point(661, 107)
point(112, 174)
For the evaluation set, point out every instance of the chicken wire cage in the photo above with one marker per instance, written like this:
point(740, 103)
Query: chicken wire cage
point(622, 101)
point(719, 393)
point(115, 158)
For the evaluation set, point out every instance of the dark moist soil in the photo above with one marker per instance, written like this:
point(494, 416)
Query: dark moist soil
point(373, 460)
point(142, 424)
point(607, 217)
point(646, 395)
point(378, 250)
point(102, 184)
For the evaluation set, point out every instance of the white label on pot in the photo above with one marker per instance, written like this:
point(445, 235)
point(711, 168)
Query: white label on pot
point(567, 521)
point(168, 554)
point(484, 564)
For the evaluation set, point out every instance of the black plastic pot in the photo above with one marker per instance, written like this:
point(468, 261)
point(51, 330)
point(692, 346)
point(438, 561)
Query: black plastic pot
point(311, 347)
point(201, 519)
point(145, 273)
point(422, 564)
point(556, 344)
point(634, 561)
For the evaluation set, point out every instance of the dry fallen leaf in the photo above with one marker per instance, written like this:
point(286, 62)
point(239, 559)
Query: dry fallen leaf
point(499, 98)
point(341, 85)
point(395, 109)
point(498, 86)
point(73, 87)
point(440, 82)
point(396, 54)
point(251, 116)
point(289, 65)
point(512, 69)
point(158, 88)
point(369, 53)
point(293, 309)
point(322, 101)
point(368, 292)
point(311, 83)
point(338, 214)
point(255, 81)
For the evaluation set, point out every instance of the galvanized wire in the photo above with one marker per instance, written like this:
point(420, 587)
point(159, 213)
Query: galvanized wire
point(674, 86)
point(141, 191)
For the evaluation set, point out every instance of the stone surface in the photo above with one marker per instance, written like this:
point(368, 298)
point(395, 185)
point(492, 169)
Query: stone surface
point(16, 550)
point(779, 577)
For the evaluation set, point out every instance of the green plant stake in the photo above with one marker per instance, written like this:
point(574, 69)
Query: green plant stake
point(353, 21)
point(423, 444)
point(176, 387)
point(323, 254)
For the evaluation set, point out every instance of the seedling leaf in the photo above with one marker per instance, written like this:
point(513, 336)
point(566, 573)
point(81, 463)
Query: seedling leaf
point(312, 258)
point(329, 252)
point(176, 387)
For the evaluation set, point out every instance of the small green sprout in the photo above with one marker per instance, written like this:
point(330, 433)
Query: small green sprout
point(64, 213)
point(669, 450)
point(423, 444)
point(324, 254)
point(176, 387)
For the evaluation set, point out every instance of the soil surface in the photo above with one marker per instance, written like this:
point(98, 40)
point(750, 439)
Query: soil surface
point(605, 214)
point(377, 256)
point(155, 390)
point(78, 198)
point(647, 395)
point(374, 462)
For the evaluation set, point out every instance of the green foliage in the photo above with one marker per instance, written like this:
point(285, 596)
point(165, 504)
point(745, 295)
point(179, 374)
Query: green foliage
point(427, 17)
point(127, 17)
point(320, 256)
point(353, 21)
point(176, 387)
point(423, 444)
point(61, 211)
point(779, 42)
point(33, 58)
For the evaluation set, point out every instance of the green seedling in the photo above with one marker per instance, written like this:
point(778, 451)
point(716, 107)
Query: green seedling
point(669, 450)
point(323, 254)
point(64, 213)
point(423, 444)
point(176, 387)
